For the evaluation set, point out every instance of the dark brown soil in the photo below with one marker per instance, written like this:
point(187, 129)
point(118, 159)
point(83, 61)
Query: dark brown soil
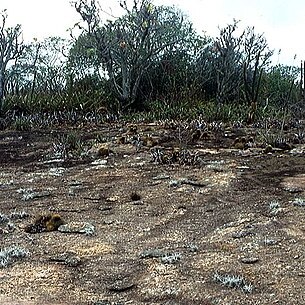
point(239, 213)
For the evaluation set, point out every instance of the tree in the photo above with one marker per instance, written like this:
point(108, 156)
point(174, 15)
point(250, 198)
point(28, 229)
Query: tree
point(173, 75)
point(39, 76)
point(237, 62)
point(11, 47)
point(204, 69)
point(227, 48)
point(280, 85)
point(83, 61)
point(256, 57)
point(128, 46)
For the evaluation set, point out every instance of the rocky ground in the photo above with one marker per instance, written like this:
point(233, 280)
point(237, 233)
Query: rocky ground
point(151, 217)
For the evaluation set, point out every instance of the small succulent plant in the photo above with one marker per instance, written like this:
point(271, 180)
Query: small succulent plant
point(299, 202)
point(233, 281)
point(171, 258)
point(274, 207)
point(3, 218)
point(19, 215)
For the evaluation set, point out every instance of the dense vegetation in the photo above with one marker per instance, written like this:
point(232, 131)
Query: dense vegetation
point(150, 61)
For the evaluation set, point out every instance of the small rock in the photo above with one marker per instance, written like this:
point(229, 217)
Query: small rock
point(71, 192)
point(93, 197)
point(193, 183)
point(270, 242)
point(105, 208)
point(179, 182)
point(68, 258)
point(77, 227)
point(151, 253)
point(73, 261)
point(102, 302)
point(293, 190)
point(241, 234)
point(112, 199)
point(249, 260)
point(138, 202)
point(121, 285)
point(47, 222)
point(100, 162)
point(161, 177)
point(174, 183)
point(75, 183)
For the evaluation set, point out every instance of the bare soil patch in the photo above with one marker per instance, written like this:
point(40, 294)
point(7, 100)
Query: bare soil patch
point(238, 212)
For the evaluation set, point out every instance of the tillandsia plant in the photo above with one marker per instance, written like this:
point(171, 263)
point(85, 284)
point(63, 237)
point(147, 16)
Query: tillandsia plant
point(299, 202)
point(11, 254)
point(3, 218)
point(274, 207)
point(233, 281)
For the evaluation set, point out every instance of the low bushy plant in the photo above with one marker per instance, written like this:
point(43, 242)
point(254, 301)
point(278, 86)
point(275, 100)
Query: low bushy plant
point(11, 254)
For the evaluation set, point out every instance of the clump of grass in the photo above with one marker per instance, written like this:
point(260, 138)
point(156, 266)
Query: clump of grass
point(3, 218)
point(30, 194)
point(19, 215)
point(192, 248)
point(274, 207)
point(233, 281)
point(183, 157)
point(11, 226)
point(299, 202)
point(11, 254)
point(22, 123)
point(67, 145)
point(171, 258)
point(26, 193)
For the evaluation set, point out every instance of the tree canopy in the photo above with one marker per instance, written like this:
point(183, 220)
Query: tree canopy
point(148, 55)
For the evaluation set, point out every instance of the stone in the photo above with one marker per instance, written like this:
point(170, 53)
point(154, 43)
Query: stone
point(249, 260)
point(77, 227)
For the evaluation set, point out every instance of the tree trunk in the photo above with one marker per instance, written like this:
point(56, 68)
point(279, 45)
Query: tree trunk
point(1, 91)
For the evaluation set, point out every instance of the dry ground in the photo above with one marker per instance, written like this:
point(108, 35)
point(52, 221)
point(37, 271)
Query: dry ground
point(166, 248)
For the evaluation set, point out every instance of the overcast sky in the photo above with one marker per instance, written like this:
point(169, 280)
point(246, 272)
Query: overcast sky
point(282, 21)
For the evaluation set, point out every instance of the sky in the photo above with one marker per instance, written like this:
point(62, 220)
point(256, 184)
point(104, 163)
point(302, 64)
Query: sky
point(281, 21)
